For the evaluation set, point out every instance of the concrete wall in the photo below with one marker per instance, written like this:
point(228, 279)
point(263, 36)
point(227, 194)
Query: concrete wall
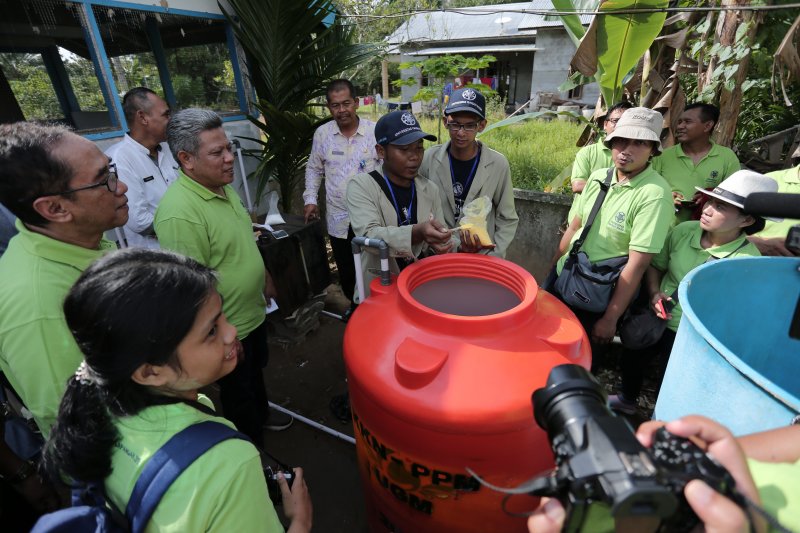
point(551, 64)
point(538, 234)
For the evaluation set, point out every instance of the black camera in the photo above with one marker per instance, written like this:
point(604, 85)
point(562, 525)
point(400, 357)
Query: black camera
point(273, 488)
point(599, 460)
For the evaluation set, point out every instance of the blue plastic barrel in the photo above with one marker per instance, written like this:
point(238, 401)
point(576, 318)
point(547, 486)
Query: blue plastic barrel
point(733, 359)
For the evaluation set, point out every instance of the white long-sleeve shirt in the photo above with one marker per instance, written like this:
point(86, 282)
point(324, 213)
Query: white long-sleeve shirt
point(147, 181)
point(338, 158)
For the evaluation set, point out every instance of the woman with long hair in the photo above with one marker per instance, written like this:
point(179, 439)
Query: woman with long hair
point(151, 328)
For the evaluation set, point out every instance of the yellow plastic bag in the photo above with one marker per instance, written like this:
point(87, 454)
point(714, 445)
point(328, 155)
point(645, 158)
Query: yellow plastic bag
point(474, 219)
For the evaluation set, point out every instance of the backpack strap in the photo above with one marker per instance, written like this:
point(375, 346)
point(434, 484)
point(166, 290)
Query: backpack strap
point(169, 462)
point(604, 186)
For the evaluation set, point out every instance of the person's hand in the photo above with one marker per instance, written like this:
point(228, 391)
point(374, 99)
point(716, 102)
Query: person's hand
point(471, 243)
point(296, 502)
point(677, 198)
point(718, 513)
point(310, 212)
point(434, 233)
point(657, 297)
point(775, 246)
point(604, 330)
point(548, 517)
point(38, 493)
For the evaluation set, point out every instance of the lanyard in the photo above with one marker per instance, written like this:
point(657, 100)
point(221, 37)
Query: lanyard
point(471, 172)
point(401, 222)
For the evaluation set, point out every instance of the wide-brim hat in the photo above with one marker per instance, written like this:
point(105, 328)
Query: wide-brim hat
point(738, 186)
point(638, 123)
point(467, 100)
point(399, 127)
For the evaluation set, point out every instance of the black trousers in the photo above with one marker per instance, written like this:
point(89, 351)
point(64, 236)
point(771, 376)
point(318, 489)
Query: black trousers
point(343, 256)
point(635, 363)
point(242, 392)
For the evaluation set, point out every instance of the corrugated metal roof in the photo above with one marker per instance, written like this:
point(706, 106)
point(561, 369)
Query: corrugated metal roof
point(442, 50)
point(532, 21)
point(479, 22)
point(468, 23)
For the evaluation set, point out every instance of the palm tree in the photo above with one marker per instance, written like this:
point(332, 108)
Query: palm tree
point(293, 54)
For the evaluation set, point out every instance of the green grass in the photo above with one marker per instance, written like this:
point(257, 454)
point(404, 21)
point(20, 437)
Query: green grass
point(537, 151)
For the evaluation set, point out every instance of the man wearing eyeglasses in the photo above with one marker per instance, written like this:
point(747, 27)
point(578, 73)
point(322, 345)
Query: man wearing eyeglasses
point(144, 162)
point(465, 169)
point(341, 149)
point(65, 194)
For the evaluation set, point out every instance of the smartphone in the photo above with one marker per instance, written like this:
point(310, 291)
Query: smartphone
point(665, 306)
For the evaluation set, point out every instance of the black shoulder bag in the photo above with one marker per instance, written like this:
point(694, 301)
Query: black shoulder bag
point(585, 285)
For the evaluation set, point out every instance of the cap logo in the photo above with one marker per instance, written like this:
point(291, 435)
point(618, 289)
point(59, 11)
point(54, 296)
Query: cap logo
point(468, 94)
point(408, 119)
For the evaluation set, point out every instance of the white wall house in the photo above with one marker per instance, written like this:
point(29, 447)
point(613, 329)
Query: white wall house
point(533, 54)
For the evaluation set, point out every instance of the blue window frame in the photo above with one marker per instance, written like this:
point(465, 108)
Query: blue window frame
point(189, 57)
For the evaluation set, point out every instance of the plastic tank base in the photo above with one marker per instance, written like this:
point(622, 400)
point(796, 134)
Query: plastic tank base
point(733, 359)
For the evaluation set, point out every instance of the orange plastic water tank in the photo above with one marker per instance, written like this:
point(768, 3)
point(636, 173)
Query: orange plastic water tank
point(441, 365)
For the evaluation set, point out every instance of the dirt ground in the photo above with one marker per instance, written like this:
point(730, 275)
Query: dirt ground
point(303, 378)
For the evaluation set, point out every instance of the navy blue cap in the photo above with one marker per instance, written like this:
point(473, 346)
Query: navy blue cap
point(399, 127)
point(467, 99)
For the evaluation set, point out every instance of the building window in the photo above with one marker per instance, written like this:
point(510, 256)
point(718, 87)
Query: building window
point(576, 93)
point(184, 58)
point(68, 62)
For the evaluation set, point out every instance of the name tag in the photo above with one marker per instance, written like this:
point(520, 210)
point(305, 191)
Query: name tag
point(148, 178)
point(336, 152)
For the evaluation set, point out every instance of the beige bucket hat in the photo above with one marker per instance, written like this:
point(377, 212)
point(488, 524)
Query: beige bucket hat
point(639, 123)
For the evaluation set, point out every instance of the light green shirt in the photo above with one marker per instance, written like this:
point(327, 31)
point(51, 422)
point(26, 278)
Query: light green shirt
point(779, 487)
point(590, 158)
point(37, 352)
point(683, 175)
point(682, 253)
point(216, 231)
point(635, 216)
point(223, 490)
point(789, 182)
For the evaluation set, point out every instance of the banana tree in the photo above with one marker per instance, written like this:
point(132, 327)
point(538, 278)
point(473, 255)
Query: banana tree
point(294, 53)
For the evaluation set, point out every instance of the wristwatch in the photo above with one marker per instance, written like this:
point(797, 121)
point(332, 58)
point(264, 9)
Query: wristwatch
point(26, 470)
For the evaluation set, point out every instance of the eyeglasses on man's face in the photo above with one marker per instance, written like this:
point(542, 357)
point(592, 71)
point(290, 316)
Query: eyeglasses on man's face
point(110, 182)
point(455, 126)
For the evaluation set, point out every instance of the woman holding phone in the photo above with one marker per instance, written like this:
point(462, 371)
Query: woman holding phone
point(151, 328)
point(719, 234)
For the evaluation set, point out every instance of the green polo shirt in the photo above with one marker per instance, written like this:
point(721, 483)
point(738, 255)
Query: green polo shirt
point(682, 253)
point(590, 158)
point(37, 352)
point(587, 160)
point(683, 175)
point(789, 182)
point(635, 216)
point(223, 490)
point(216, 231)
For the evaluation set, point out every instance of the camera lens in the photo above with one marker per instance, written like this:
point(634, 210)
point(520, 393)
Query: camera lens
point(571, 395)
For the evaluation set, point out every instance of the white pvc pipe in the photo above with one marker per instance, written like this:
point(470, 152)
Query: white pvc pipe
point(313, 424)
point(244, 180)
point(359, 278)
point(120, 238)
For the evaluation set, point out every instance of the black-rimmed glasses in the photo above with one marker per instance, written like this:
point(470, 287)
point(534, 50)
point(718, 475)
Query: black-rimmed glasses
point(110, 181)
point(455, 126)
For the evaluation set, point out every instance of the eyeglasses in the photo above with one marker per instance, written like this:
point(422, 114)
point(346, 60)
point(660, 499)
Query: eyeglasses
point(613, 120)
point(347, 104)
point(110, 182)
point(455, 126)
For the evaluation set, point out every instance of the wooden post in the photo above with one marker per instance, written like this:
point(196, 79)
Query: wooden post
point(385, 79)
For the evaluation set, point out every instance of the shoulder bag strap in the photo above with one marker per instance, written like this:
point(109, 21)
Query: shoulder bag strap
point(595, 209)
point(169, 462)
